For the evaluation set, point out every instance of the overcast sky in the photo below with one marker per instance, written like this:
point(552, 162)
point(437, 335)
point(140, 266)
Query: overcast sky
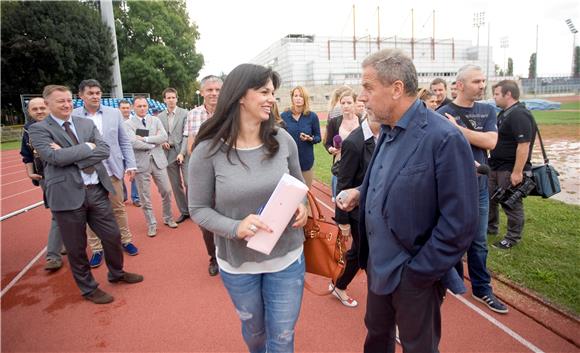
point(233, 32)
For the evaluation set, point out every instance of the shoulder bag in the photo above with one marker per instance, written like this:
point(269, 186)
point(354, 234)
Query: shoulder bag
point(324, 247)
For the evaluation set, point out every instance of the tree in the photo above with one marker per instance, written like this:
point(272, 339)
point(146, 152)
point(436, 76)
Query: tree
point(532, 68)
point(510, 67)
point(156, 43)
point(576, 63)
point(51, 42)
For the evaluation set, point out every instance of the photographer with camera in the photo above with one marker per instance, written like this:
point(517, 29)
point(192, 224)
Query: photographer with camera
point(509, 161)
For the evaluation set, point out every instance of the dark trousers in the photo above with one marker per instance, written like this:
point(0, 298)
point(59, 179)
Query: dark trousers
point(97, 213)
point(209, 243)
point(515, 216)
point(417, 313)
point(351, 257)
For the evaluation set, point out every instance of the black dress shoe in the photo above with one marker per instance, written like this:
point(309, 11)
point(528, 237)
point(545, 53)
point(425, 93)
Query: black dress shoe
point(128, 277)
point(213, 268)
point(182, 218)
point(99, 297)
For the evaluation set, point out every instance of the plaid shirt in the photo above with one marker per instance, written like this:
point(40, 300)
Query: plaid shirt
point(195, 118)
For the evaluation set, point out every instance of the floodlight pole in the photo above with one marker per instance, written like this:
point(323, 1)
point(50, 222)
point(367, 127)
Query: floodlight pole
point(478, 21)
point(108, 17)
point(573, 30)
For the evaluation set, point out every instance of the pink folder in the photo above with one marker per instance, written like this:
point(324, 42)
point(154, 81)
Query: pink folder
point(278, 212)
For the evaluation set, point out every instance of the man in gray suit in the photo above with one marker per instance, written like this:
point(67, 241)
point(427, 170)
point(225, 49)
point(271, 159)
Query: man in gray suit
point(173, 120)
point(77, 187)
point(121, 160)
point(147, 134)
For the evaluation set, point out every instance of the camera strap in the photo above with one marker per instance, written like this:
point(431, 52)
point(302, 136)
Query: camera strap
point(464, 120)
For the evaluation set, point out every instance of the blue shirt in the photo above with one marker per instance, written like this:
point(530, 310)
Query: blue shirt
point(385, 257)
point(483, 118)
point(309, 125)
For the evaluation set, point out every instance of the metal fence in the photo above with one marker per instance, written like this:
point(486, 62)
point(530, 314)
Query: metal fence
point(550, 85)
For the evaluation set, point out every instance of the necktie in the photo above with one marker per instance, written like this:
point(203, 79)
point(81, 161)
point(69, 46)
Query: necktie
point(144, 122)
point(71, 134)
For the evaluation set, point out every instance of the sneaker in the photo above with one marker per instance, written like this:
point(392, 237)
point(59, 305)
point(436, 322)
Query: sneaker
point(130, 249)
point(504, 244)
point(96, 259)
point(492, 303)
point(171, 224)
point(152, 230)
point(53, 264)
point(343, 298)
point(99, 297)
point(137, 203)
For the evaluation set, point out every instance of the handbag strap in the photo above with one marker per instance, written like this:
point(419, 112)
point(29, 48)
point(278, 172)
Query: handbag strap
point(534, 124)
point(314, 208)
point(322, 293)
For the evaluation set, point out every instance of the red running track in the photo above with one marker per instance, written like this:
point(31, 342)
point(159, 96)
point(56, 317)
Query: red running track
point(179, 308)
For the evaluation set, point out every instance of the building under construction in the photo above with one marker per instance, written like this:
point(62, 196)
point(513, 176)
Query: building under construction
point(311, 60)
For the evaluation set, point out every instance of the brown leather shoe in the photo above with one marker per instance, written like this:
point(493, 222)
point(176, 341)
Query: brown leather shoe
point(99, 297)
point(128, 277)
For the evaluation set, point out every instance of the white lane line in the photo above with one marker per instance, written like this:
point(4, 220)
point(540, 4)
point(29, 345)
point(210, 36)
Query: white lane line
point(20, 193)
point(501, 326)
point(485, 315)
point(4, 167)
point(14, 182)
point(22, 210)
point(18, 172)
point(23, 272)
point(325, 205)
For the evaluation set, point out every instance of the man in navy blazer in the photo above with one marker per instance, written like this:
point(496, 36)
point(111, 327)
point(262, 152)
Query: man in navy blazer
point(110, 124)
point(418, 208)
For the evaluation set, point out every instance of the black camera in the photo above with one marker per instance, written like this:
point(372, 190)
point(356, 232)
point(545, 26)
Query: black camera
point(510, 196)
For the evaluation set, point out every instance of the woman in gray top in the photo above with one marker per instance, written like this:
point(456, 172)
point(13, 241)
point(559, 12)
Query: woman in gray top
point(239, 157)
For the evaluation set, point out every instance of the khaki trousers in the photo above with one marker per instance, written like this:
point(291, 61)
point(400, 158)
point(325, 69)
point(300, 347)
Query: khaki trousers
point(120, 216)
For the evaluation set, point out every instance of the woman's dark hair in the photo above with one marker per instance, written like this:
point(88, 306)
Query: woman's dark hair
point(224, 126)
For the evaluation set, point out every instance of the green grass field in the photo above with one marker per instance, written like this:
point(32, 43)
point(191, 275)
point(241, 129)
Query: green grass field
point(11, 145)
point(571, 105)
point(555, 117)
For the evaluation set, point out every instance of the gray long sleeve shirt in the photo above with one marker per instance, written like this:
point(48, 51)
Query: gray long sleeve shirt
point(221, 194)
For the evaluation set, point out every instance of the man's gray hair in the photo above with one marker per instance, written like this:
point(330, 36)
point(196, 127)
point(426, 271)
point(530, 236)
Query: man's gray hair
point(210, 78)
point(462, 72)
point(392, 65)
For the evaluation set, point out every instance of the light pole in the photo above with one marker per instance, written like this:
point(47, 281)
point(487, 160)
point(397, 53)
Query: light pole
point(504, 44)
point(573, 30)
point(478, 21)
point(197, 94)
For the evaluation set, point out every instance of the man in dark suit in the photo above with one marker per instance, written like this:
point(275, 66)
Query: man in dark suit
point(173, 119)
point(418, 208)
point(77, 186)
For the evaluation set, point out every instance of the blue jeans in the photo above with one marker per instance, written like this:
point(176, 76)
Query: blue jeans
point(268, 305)
point(134, 192)
point(477, 252)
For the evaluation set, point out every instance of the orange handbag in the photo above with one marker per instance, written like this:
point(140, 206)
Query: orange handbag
point(324, 247)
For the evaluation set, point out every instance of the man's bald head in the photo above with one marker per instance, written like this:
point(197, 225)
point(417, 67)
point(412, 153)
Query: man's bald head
point(37, 109)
